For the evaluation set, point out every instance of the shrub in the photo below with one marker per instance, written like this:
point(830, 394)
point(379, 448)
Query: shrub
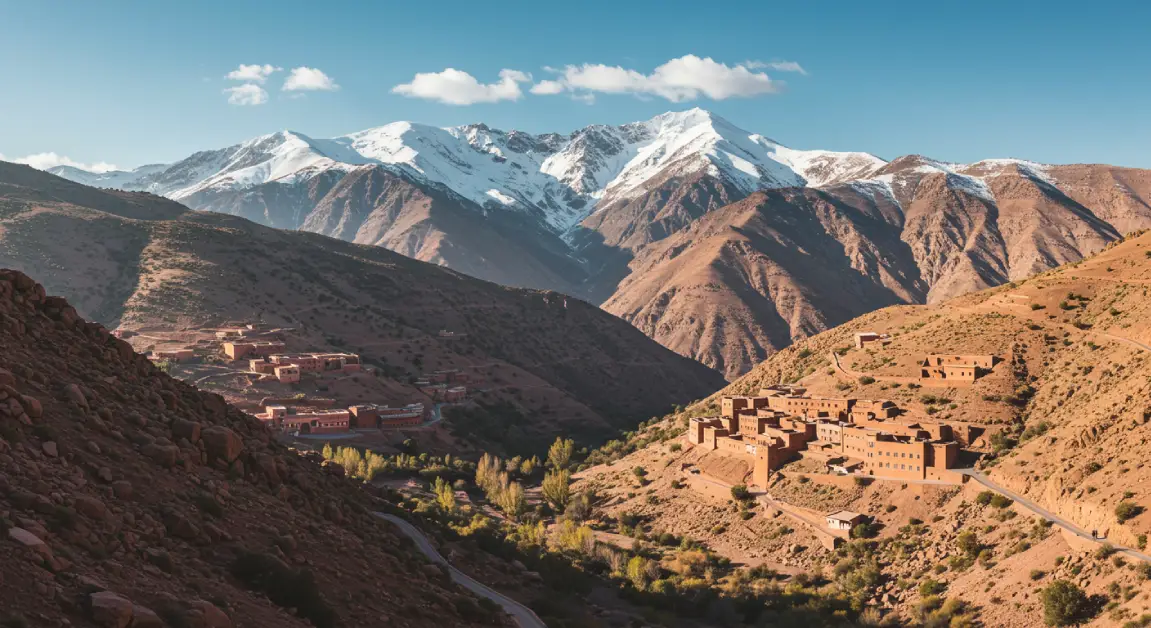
point(1000, 501)
point(984, 497)
point(1143, 570)
point(284, 586)
point(968, 543)
point(1037, 574)
point(931, 587)
point(1064, 604)
point(674, 447)
point(865, 531)
point(1127, 510)
point(740, 493)
point(866, 379)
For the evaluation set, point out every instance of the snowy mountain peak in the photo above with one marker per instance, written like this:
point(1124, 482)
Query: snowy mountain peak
point(561, 178)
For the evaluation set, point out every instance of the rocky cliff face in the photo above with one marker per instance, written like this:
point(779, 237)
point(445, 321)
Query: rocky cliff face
point(130, 498)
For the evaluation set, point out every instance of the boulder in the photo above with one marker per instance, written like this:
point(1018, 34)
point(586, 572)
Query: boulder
point(30, 541)
point(210, 615)
point(111, 610)
point(182, 428)
point(32, 406)
point(7, 378)
point(145, 618)
point(90, 507)
point(122, 489)
point(222, 443)
point(75, 395)
point(180, 527)
point(49, 449)
point(266, 463)
point(163, 455)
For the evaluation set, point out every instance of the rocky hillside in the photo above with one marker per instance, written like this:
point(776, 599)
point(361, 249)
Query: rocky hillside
point(130, 498)
point(751, 278)
point(1067, 418)
point(139, 262)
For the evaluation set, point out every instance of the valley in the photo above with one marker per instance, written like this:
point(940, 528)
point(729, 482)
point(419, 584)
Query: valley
point(167, 277)
point(1046, 490)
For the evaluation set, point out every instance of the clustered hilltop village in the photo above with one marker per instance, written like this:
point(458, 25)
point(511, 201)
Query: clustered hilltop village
point(852, 436)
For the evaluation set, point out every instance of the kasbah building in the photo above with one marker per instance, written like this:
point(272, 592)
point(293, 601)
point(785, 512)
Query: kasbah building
point(862, 437)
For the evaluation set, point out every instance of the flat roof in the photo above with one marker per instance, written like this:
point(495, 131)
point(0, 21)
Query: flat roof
point(845, 515)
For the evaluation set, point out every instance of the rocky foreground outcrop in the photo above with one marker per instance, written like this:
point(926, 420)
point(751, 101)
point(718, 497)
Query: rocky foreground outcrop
point(128, 498)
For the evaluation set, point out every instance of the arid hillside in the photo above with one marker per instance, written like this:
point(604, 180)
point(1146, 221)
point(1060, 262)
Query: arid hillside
point(749, 278)
point(1068, 417)
point(139, 262)
point(130, 498)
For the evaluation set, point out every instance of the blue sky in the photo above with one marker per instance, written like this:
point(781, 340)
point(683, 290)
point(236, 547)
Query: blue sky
point(136, 82)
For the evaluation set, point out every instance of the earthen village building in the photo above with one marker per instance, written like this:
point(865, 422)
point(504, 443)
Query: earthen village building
point(858, 436)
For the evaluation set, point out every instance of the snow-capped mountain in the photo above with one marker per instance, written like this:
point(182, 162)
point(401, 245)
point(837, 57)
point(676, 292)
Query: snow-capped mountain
point(720, 243)
point(560, 179)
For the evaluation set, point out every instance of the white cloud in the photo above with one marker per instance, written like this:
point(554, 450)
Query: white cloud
point(247, 94)
point(44, 161)
point(547, 87)
point(455, 87)
point(305, 79)
point(253, 73)
point(686, 78)
point(782, 66)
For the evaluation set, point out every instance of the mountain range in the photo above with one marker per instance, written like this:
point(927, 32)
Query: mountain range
point(135, 262)
point(721, 244)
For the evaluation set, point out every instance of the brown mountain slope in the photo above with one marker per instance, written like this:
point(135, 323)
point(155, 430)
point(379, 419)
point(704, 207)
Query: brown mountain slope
point(784, 264)
point(1068, 421)
point(372, 205)
point(562, 364)
point(749, 278)
point(129, 497)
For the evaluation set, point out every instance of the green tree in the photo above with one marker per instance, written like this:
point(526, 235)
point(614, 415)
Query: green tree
point(560, 453)
point(487, 473)
point(968, 543)
point(740, 493)
point(557, 488)
point(641, 571)
point(509, 496)
point(1064, 604)
point(580, 507)
point(445, 496)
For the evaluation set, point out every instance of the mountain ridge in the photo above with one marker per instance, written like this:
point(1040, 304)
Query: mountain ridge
point(587, 213)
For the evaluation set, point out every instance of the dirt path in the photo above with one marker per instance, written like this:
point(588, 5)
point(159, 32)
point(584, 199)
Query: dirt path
point(522, 614)
point(1070, 526)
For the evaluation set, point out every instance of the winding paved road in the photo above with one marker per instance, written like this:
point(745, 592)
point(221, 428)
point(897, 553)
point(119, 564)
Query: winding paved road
point(1042, 512)
point(522, 614)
